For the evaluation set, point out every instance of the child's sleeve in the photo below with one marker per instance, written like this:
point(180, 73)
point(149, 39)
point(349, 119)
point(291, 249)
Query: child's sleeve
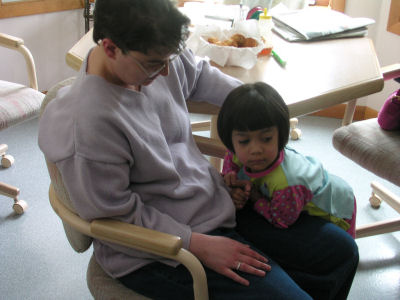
point(285, 206)
point(229, 164)
point(389, 115)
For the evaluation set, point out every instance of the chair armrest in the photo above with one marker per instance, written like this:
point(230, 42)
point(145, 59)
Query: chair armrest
point(10, 41)
point(17, 44)
point(209, 146)
point(118, 232)
point(136, 237)
point(391, 71)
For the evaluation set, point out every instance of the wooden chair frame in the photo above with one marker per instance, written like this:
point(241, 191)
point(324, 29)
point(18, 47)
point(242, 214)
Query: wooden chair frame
point(16, 44)
point(379, 192)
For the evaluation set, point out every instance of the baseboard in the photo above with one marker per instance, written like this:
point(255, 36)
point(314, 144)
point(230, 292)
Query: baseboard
point(361, 113)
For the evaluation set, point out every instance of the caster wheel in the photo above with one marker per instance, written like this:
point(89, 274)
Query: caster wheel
point(7, 160)
point(295, 134)
point(375, 201)
point(20, 207)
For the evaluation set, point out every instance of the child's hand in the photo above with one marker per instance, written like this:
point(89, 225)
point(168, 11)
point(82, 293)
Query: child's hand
point(240, 192)
point(239, 197)
point(230, 179)
point(255, 194)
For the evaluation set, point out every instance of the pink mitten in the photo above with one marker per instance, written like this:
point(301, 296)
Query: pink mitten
point(389, 115)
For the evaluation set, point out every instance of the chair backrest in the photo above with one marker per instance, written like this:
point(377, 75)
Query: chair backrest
point(78, 241)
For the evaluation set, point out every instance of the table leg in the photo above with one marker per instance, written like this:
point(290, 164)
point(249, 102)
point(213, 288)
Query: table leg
point(349, 112)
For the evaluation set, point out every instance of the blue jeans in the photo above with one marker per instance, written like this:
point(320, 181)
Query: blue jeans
point(316, 260)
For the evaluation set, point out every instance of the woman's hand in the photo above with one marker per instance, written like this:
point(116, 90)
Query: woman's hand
point(224, 256)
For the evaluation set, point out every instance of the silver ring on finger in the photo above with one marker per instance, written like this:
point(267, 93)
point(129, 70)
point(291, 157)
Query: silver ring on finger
point(238, 266)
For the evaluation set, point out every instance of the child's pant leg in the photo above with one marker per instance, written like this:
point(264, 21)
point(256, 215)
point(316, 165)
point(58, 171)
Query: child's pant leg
point(320, 256)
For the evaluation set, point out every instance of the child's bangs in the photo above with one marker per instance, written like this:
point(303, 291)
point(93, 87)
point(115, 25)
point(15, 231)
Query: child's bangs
point(254, 117)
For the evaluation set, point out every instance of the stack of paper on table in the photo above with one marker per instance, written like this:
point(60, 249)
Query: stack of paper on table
point(318, 23)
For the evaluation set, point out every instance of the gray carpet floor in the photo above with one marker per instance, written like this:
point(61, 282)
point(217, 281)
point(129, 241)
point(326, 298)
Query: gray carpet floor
point(36, 261)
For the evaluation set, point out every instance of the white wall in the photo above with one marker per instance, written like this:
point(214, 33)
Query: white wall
point(387, 44)
point(48, 37)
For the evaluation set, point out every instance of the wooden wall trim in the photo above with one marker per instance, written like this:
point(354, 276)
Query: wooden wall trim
point(338, 5)
point(16, 9)
point(361, 113)
point(393, 24)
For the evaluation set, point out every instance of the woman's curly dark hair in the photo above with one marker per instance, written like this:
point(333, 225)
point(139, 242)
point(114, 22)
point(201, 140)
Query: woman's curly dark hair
point(141, 25)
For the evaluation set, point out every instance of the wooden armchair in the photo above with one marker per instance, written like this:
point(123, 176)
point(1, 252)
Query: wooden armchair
point(17, 104)
point(376, 150)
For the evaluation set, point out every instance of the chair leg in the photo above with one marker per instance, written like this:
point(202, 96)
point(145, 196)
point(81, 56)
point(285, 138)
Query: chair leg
point(20, 206)
point(379, 194)
point(382, 193)
point(6, 159)
point(295, 133)
point(378, 228)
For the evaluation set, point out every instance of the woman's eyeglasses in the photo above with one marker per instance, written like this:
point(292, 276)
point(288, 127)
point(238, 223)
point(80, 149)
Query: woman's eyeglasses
point(154, 71)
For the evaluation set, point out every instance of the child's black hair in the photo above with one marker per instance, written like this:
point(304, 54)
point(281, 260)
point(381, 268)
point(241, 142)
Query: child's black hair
point(252, 107)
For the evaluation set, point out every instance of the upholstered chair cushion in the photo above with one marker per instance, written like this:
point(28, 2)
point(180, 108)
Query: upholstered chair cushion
point(102, 286)
point(375, 149)
point(18, 103)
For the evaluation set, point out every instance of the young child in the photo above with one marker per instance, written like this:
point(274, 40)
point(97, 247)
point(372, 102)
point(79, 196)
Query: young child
point(253, 123)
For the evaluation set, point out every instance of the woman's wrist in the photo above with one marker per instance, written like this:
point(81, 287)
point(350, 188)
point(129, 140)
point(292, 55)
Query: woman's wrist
point(196, 241)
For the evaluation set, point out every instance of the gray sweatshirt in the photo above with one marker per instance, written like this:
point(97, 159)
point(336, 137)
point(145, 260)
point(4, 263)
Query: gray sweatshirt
point(130, 156)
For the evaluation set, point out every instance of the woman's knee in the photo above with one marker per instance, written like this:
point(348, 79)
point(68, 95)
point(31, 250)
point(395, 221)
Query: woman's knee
point(275, 285)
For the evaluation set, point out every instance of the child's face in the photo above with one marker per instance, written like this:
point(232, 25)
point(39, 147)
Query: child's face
point(258, 149)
